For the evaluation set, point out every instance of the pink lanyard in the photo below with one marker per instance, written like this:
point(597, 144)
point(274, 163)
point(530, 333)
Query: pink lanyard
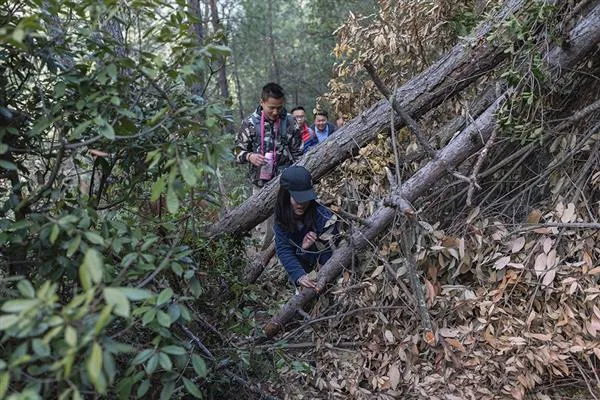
point(262, 138)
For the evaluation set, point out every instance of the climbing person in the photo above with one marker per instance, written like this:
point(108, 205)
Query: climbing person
point(300, 115)
point(269, 140)
point(304, 229)
point(321, 128)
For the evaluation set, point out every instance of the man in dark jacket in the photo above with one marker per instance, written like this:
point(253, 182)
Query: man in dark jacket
point(322, 129)
point(269, 140)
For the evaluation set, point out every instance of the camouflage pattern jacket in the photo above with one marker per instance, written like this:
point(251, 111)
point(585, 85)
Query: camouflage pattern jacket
point(288, 144)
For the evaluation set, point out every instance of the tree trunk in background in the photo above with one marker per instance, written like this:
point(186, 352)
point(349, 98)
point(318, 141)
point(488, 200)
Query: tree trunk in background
point(275, 71)
point(238, 86)
point(197, 32)
point(214, 13)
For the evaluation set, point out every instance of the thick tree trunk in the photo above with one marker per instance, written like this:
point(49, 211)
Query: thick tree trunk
point(452, 73)
point(238, 85)
point(584, 38)
point(197, 32)
point(223, 86)
point(275, 71)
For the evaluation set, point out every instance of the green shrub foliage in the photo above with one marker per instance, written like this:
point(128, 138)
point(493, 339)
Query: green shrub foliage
point(108, 153)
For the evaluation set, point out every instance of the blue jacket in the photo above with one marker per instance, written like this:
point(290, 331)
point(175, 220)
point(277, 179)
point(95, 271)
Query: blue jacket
point(288, 246)
point(314, 140)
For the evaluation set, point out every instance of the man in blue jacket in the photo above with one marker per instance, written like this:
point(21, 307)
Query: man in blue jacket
point(321, 130)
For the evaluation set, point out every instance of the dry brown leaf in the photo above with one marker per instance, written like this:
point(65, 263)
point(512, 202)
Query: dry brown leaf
point(389, 336)
point(551, 260)
point(377, 271)
point(560, 209)
point(597, 352)
point(545, 337)
point(573, 288)
point(593, 326)
point(430, 291)
point(540, 264)
point(448, 332)
point(594, 271)
point(501, 262)
point(587, 259)
point(429, 338)
point(517, 244)
point(549, 277)
point(473, 214)
point(394, 375)
point(456, 344)
point(547, 244)
point(568, 214)
point(534, 216)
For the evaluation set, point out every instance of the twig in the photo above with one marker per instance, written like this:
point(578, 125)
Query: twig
point(256, 267)
point(160, 267)
point(25, 203)
point(394, 140)
point(572, 225)
point(589, 164)
point(196, 340)
point(358, 286)
point(411, 123)
point(406, 243)
point(351, 217)
point(478, 165)
point(306, 345)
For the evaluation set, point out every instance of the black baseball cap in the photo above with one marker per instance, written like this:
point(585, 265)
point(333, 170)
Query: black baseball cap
point(298, 182)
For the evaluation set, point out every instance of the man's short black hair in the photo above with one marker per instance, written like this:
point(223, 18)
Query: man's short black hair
point(272, 90)
point(323, 113)
point(297, 109)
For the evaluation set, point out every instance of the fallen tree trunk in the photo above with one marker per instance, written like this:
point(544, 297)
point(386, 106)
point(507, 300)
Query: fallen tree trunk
point(584, 38)
point(258, 264)
point(455, 71)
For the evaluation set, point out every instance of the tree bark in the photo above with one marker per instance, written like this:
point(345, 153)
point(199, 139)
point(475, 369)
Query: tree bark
point(455, 71)
point(223, 86)
point(197, 32)
point(275, 71)
point(584, 38)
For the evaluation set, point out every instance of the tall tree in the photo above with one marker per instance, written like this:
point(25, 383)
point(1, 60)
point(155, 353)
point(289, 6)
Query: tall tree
point(222, 36)
point(197, 32)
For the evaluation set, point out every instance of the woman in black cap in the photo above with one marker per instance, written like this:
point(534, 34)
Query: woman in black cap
point(304, 229)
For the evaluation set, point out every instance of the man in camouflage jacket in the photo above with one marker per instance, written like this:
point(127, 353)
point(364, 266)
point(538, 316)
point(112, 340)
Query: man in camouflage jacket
point(279, 127)
point(282, 135)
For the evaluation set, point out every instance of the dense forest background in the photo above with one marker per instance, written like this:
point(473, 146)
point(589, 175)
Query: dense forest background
point(466, 180)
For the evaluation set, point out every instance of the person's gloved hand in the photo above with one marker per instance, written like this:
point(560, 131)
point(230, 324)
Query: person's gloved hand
point(309, 240)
